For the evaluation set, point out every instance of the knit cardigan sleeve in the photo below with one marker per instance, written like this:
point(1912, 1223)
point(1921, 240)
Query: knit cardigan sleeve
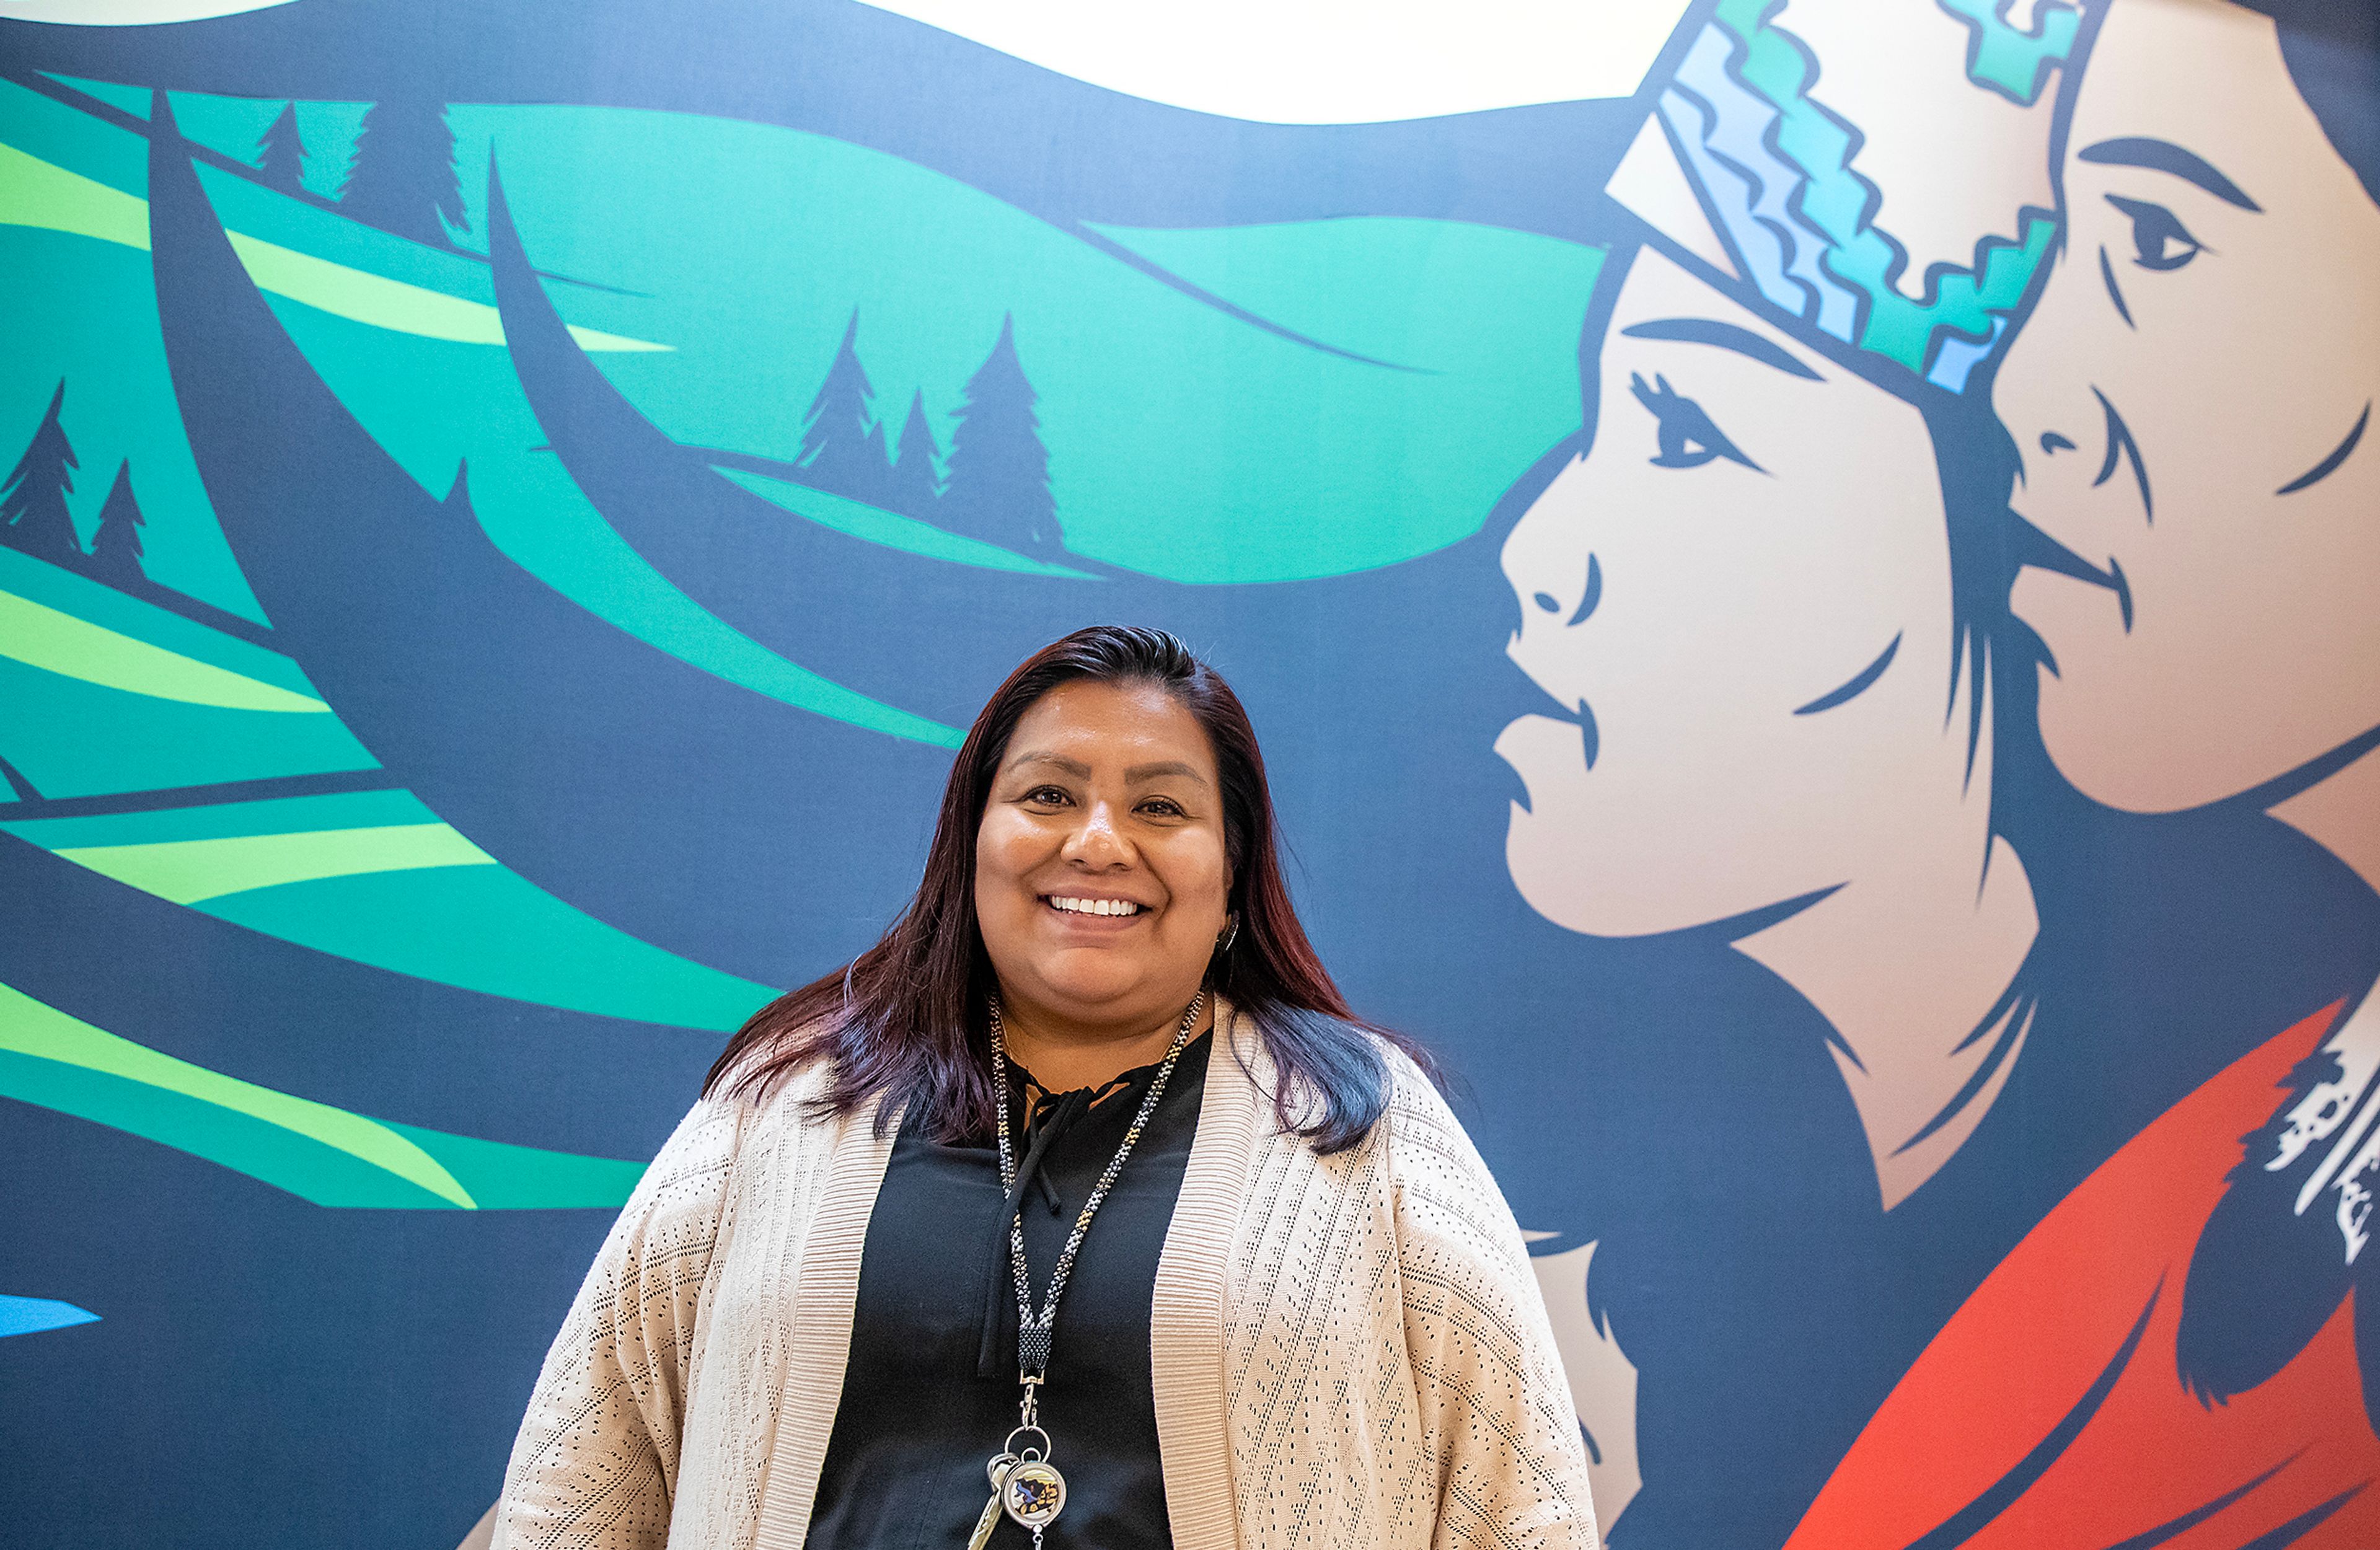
point(1500, 1439)
point(595, 1466)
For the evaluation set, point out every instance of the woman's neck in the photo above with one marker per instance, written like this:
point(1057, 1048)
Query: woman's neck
point(1064, 1054)
point(1907, 964)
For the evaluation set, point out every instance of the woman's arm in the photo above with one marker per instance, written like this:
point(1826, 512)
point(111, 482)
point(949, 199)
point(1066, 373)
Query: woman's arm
point(1499, 1426)
point(595, 1466)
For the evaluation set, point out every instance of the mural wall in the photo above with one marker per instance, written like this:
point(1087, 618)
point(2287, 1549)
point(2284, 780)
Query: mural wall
point(1809, 571)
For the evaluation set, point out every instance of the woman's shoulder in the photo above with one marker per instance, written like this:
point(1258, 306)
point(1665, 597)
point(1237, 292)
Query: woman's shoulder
point(1412, 1109)
point(724, 1124)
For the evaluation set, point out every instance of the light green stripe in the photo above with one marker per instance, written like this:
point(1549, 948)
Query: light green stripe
point(37, 193)
point(56, 642)
point(893, 530)
point(94, 602)
point(31, 1028)
point(224, 821)
point(187, 871)
point(391, 304)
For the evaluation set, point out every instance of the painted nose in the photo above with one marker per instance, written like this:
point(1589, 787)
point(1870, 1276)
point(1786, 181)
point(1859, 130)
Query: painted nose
point(1590, 595)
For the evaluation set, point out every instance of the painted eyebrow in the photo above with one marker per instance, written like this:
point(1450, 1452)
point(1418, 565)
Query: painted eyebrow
point(2159, 155)
point(1727, 336)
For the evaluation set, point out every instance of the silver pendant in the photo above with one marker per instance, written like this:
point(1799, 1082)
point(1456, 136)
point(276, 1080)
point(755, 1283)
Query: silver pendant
point(1033, 1493)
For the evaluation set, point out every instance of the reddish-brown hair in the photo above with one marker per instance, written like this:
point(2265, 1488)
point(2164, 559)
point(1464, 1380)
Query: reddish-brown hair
point(908, 1018)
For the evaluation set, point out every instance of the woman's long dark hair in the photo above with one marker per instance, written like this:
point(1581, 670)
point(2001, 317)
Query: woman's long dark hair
point(907, 1020)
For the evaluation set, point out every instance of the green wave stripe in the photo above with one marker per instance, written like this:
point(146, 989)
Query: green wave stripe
point(56, 641)
point(95, 603)
point(891, 529)
point(376, 877)
point(224, 820)
point(186, 871)
point(40, 194)
point(312, 1150)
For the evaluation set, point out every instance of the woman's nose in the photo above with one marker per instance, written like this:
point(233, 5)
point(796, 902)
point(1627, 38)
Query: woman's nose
point(1096, 839)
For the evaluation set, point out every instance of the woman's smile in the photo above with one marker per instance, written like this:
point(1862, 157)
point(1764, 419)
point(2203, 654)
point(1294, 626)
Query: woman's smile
point(1084, 909)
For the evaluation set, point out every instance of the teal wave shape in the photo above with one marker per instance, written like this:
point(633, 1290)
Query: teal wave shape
point(32, 1316)
point(320, 1153)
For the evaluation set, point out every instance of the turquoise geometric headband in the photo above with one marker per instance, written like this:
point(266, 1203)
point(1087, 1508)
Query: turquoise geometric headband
point(1775, 158)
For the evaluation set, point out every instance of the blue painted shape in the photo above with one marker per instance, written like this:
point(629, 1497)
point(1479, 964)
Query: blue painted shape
point(32, 1316)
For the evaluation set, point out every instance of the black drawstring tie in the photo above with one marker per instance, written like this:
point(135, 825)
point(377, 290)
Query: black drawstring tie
point(1052, 1118)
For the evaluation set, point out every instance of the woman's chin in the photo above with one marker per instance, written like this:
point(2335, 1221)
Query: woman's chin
point(1099, 992)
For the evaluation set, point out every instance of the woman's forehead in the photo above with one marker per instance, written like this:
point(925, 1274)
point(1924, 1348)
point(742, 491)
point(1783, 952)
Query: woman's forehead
point(1095, 723)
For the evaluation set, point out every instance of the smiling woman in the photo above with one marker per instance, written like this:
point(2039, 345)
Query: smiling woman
point(817, 1320)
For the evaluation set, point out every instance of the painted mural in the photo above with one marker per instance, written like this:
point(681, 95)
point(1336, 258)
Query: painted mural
point(1807, 570)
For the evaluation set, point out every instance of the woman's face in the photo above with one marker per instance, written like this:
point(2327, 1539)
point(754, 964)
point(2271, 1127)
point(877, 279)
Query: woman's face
point(1740, 600)
point(2205, 351)
point(1100, 880)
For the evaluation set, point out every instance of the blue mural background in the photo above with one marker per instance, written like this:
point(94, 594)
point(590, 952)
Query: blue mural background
point(517, 505)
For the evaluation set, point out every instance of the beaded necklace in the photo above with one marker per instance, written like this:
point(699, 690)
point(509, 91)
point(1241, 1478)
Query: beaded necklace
point(1025, 1483)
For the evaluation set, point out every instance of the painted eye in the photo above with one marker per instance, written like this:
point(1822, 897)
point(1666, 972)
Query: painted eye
point(1688, 438)
point(2159, 241)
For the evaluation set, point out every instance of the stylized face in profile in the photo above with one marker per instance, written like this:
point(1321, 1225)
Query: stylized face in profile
point(2192, 399)
point(1740, 600)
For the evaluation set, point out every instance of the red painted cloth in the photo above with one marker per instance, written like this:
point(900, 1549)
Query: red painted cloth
point(1966, 1449)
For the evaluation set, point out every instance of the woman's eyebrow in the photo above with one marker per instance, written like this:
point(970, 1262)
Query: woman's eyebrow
point(1727, 336)
point(1076, 768)
point(2161, 155)
point(1140, 772)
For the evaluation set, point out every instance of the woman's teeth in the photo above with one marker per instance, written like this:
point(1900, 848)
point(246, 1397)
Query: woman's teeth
point(1095, 906)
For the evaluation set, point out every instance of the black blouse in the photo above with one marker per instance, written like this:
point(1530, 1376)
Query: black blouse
point(930, 1392)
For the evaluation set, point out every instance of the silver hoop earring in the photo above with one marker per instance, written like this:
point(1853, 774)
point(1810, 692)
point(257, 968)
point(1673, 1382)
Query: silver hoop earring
point(1230, 934)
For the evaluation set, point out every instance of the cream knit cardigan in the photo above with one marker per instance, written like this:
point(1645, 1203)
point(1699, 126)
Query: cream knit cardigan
point(1349, 1352)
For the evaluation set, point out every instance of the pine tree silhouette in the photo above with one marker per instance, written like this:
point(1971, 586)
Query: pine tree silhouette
point(402, 176)
point(282, 155)
point(116, 549)
point(33, 498)
point(843, 447)
point(917, 483)
point(997, 474)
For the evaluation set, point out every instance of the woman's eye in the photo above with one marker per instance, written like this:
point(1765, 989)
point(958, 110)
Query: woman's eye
point(2159, 241)
point(1046, 796)
point(1687, 437)
point(1163, 807)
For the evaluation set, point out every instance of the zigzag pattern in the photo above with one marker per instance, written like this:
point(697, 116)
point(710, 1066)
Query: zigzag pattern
point(1777, 166)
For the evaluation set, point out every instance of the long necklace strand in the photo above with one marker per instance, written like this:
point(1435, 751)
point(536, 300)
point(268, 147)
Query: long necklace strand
point(1033, 1335)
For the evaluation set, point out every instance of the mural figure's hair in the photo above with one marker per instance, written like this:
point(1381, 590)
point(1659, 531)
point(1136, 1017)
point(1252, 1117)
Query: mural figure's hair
point(905, 1019)
point(2332, 55)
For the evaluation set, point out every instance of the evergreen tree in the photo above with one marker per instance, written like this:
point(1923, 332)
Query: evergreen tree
point(843, 447)
point(998, 476)
point(33, 498)
point(282, 155)
point(116, 549)
point(917, 483)
point(402, 175)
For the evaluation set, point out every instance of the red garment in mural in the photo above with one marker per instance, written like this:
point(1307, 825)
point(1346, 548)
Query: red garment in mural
point(1992, 1440)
